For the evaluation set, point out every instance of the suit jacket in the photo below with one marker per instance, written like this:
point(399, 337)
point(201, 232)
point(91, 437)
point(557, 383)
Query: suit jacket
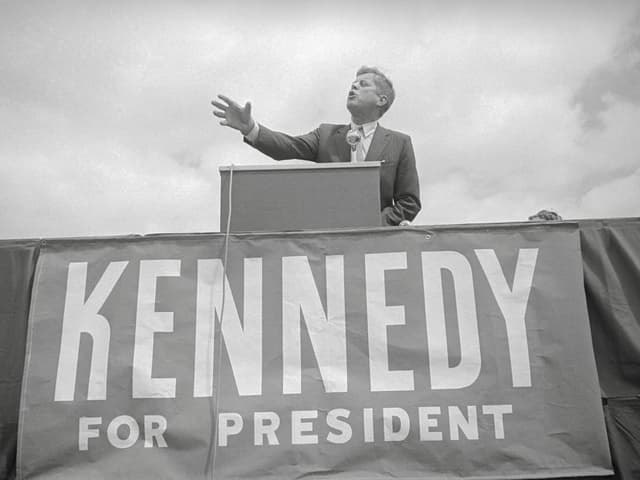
point(399, 189)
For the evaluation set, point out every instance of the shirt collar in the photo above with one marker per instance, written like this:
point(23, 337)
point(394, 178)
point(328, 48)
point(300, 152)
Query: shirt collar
point(367, 128)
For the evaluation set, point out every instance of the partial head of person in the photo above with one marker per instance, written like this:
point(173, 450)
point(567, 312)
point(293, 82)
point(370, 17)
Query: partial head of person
point(545, 216)
point(370, 96)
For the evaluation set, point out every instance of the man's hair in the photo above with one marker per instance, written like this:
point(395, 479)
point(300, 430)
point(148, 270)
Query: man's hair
point(545, 215)
point(383, 84)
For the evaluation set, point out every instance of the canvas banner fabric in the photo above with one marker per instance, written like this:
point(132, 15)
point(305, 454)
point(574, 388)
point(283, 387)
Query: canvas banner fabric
point(407, 353)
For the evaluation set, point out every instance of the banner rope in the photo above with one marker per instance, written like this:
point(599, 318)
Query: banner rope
point(214, 400)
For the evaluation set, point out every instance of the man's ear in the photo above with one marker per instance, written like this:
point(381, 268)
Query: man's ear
point(382, 100)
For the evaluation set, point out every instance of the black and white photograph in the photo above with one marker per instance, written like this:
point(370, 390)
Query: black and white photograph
point(320, 240)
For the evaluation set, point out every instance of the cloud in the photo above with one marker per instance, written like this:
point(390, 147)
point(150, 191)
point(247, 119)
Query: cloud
point(60, 181)
point(108, 127)
point(620, 194)
point(617, 80)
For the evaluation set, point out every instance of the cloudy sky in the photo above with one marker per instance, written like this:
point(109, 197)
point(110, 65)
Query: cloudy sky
point(513, 106)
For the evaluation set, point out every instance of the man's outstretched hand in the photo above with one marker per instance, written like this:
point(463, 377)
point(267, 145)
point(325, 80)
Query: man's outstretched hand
point(233, 115)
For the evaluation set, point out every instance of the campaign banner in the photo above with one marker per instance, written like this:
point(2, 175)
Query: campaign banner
point(407, 353)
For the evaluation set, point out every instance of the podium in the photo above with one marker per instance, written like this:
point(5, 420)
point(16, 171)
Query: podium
point(313, 196)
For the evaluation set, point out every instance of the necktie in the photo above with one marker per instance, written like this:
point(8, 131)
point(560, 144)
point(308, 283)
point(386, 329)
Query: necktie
point(356, 140)
point(360, 153)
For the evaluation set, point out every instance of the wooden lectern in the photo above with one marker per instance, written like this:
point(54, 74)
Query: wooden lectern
point(313, 196)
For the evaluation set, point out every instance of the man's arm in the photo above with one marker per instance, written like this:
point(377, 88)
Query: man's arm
point(277, 145)
point(406, 191)
point(281, 146)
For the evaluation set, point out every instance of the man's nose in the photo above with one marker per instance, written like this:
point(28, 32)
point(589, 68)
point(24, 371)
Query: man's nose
point(354, 86)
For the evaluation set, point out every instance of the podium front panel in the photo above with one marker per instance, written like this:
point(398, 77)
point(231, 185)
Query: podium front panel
point(300, 197)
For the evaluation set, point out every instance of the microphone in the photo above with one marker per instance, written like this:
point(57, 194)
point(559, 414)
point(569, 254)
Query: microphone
point(354, 137)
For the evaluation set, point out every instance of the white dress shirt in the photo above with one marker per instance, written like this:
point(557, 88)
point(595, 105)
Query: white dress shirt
point(368, 130)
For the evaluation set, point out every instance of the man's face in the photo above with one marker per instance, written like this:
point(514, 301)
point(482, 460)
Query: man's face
point(363, 95)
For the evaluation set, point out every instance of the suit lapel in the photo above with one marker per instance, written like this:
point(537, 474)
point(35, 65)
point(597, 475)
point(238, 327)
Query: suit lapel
point(378, 143)
point(340, 143)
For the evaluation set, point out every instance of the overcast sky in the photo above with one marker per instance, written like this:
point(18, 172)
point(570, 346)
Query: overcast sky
point(106, 126)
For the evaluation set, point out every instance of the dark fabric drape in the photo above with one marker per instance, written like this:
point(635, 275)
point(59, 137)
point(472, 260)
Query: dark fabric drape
point(17, 263)
point(611, 260)
point(622, 416)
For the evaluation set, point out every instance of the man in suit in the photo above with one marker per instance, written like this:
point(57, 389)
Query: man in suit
point(364, 139)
